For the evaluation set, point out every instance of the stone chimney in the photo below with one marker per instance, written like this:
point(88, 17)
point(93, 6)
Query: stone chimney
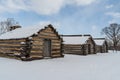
point(14, 27)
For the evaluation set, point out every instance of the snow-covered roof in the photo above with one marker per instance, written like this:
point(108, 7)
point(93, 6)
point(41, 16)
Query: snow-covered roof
point(75, 39)
point(21, 32)
point(99, 42)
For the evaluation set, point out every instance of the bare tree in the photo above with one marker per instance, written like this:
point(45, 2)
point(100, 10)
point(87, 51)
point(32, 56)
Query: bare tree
point(112, 32)
point(5, 25)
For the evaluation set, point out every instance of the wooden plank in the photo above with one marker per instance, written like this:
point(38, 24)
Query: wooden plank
point(55, 49)
point(2, 45)
point(37, 39)
point(55, 52)
point(19, 40)
point(36, 51)
point(37, 46)
point(73, 50)
point(10, 42)
point(36, 56)
point(11, 46)
point(53, 36)
point(48, 37)
point(48, 34)
point(58, 48)
point(16, 50)
point(56, 44)
point(39, 53)
point(10, 52)
point(38, 43)
point(40, 50)
point(72, 45)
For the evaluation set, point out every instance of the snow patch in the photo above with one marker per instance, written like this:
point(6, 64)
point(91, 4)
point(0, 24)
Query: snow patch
point(76, 40)
point(99, 42)
point(105, 66)
point(22, 32)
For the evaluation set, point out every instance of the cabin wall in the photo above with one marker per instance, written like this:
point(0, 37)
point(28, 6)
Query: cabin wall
point(37, 48)
point(98, 49)
point(104, 48)
point(11, 47)
point(92, 46)
point(86, 49)
point(101, 49)
point(76, 49)
point(73, 49)
point(38, 43)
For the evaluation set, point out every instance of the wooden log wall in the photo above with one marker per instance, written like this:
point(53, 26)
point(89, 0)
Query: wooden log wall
point(86, 49)
point(98, 49)
point(105, 46)
point(92, 49)
point(37, 48)
point(74, 49)
point(92, 46)
point(12, 46)
point(56, 41)
point(38, 43)
point(101, 49)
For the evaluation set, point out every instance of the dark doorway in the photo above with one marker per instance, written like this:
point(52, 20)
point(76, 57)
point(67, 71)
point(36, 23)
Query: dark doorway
point(89, 49)
point(47, 48)
point(101, 51)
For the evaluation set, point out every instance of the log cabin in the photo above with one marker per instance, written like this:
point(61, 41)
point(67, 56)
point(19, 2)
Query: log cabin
point(101, 45)
point(31, 43)
point(78, 44)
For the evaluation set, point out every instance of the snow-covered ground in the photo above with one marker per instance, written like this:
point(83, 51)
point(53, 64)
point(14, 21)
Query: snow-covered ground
point(71, 67)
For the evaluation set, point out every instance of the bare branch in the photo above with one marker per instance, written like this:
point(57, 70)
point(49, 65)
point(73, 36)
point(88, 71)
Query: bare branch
point(5, 25)
point(113, 33)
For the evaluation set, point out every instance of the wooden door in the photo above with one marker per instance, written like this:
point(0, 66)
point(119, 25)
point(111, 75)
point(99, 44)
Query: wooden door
point(47, 48)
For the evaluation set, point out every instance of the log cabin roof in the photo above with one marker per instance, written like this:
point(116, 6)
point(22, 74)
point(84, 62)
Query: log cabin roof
point(99, 41)
point(75, 39)
point(22, 32)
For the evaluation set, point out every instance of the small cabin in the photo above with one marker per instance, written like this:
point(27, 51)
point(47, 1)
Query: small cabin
point(31, 43)
point(101, 45)
point(78, 44)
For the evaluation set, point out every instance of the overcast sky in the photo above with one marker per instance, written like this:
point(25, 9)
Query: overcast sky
point(70, 16)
